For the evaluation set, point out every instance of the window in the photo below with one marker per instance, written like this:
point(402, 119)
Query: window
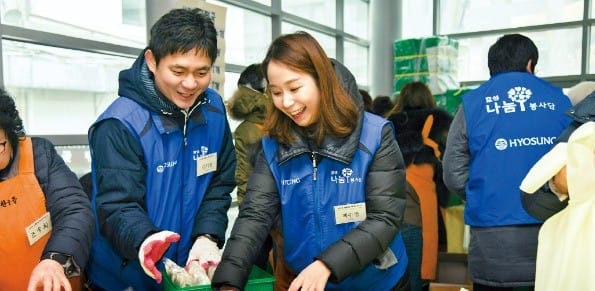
point(326, 41)
point(117, 22)
point(417, 18)
point(248, 35)
point(355, 18)
point(356, 60)
point(59, 91)
point(321, 11)
point(556, 58)
point(476, 15)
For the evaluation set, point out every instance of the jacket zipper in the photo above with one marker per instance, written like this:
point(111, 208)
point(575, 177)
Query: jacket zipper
point(316, 200)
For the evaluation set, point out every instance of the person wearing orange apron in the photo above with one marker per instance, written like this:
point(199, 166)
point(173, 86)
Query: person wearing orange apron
point(421, 129)
point(47, 223)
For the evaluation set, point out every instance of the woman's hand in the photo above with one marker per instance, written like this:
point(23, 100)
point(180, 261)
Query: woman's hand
point(48, 275)
point(313, 277)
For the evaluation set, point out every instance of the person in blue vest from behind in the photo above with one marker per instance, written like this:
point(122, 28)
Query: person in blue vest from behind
point(500, 130)
point(332, 172)
point(163, 160)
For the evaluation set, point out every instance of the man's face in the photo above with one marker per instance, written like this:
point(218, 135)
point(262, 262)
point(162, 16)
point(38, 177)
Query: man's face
point(181, 77)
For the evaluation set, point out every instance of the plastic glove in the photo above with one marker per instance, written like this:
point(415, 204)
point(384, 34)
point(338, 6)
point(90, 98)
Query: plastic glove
point(152, 249)
point(206, 252)
point(181, 277)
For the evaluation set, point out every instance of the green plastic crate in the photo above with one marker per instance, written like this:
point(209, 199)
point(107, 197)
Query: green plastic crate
point(259, 280)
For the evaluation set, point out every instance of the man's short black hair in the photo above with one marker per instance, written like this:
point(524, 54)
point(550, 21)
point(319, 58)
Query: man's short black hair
point(182, 30)
point(511, 53)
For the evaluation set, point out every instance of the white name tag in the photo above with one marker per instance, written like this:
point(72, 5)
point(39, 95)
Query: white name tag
point(350, 213)
point(39, 228)
point(206, 164)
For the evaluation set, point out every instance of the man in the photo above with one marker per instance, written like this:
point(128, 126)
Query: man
point(501, 129)
point(163, 160)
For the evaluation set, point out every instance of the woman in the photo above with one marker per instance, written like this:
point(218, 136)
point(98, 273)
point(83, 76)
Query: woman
point(421, 129)
point(47, 223)
point(332, 172)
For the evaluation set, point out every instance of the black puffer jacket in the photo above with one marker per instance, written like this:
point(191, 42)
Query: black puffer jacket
point(385, 204)
point(408, 125)
point(69, 207)
point(543, 203)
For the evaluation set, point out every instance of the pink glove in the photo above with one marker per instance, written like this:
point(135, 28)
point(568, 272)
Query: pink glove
point(152, 249)
point(206, 252)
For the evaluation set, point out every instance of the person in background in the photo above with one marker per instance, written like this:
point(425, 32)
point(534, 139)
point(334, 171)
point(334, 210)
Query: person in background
point(552, 197)
point(163, 160)
point(421, 129)
point(333, 172)
point(367, 100)
point(381, 105)
point(248, 104)
point(47, 221)
point(492, 143)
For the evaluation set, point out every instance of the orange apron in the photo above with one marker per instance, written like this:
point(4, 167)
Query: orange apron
point(421, 177)
point(21, 203)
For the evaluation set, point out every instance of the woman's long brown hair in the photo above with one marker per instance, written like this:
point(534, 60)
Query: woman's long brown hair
point(338, 113)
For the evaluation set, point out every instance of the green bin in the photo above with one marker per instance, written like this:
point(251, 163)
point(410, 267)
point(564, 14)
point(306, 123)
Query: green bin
point(259, 280)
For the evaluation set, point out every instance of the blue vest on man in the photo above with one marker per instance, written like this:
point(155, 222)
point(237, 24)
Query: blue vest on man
point(512, 120)
point(174, 188)
point(309, 202)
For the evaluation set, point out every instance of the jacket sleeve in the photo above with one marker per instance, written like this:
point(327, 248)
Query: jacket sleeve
point(247, 137)
point(456, 160)
point(212, 214)
point(544, 203)
point(68, 205)
point(385, 206)
point(257, 213)
point(120, 173)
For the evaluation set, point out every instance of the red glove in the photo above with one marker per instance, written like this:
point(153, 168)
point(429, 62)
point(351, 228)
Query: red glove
point(152, 249)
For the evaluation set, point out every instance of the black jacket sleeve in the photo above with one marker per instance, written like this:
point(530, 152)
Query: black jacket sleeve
point(69, 207)
point(257, 213)
point(120, 173)
point(385, 207)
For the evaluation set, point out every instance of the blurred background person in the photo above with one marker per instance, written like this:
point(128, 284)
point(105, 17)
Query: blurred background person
point(381, 105)
point(421, 129)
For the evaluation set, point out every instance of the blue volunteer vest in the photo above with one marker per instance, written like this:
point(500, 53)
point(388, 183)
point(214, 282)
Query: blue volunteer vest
point(307, 207)
point(512, 120)
point(174, 191)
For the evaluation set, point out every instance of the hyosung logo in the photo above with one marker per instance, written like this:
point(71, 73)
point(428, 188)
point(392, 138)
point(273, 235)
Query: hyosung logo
point(503, 144)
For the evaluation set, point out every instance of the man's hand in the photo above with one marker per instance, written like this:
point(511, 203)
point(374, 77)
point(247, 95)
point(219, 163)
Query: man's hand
point(48, 275)
point(152, 250)
point(313, 277)
point(206, 252)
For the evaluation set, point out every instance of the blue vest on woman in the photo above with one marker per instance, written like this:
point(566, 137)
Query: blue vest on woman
point(308, 197)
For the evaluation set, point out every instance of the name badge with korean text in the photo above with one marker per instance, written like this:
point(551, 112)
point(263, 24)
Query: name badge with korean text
point(350, 213)
point(39, 228)
point(206, 164)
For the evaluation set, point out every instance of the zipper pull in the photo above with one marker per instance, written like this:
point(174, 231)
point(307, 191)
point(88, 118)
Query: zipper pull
point(314, 165)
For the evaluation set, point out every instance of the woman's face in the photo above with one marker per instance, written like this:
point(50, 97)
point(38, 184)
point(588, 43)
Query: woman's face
point(5, 150)
point(294, 93)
